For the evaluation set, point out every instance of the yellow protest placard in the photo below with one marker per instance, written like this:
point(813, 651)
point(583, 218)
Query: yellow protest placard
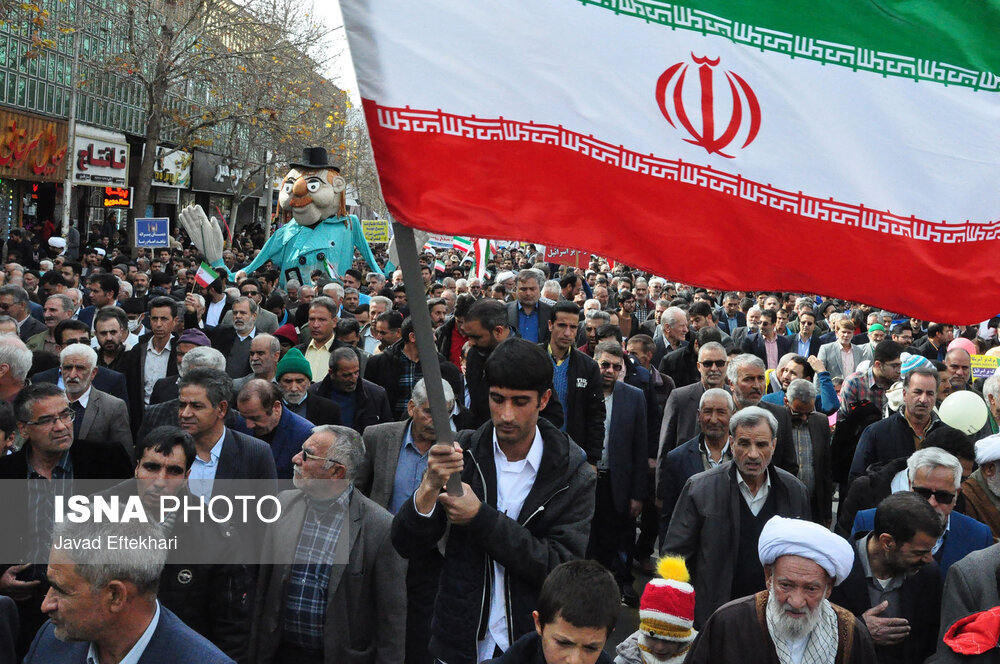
point(376, 230)
point(983, 366)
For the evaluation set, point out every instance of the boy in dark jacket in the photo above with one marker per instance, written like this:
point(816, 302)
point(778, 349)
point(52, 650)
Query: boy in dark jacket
point(577, 611)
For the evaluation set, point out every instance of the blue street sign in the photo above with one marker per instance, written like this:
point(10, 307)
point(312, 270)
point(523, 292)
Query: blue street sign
point(152, 233)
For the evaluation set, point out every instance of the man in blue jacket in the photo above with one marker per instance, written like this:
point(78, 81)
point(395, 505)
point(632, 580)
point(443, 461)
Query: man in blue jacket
point(101, 610)
point(526, 506)
point(259, 402)
point(936, 475)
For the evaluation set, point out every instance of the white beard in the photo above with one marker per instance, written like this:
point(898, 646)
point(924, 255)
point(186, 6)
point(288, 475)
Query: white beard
point(788, 628)
point(993, 483)
point(295, 400)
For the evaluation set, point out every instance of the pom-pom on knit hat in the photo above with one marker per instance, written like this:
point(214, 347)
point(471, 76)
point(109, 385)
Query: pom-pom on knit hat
point(666, 610)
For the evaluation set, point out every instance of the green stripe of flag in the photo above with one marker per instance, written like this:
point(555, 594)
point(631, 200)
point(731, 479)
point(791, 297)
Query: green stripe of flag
point(947, 41)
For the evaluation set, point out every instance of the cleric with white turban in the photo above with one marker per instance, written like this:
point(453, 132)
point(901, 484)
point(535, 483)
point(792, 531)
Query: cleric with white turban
point(795, 537)
point(988, 449)
point(801, 625)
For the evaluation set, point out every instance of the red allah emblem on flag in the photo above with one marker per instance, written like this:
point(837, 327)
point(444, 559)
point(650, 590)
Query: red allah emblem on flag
point(744, 109)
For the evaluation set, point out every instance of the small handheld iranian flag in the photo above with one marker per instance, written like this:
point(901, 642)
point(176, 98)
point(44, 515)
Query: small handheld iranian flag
point(858, 141)
point(331, 270)
point(205, 275)
point(438, 265)
point(483, 253)
point(463, 244)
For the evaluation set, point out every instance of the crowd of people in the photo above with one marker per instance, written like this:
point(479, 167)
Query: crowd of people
point(782, 452)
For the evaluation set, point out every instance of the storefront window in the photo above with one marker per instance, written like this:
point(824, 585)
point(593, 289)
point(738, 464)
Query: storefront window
point(8, 207)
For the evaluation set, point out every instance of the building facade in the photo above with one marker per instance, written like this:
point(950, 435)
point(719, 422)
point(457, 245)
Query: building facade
point(37, 54)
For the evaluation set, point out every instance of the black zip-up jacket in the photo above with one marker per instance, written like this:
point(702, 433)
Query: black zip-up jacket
point(385, 369)
point(552, 528)
point(372, 405)
point(479, 402)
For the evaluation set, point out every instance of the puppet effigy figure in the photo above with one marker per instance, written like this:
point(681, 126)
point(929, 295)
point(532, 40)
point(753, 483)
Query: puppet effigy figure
point(322, 237)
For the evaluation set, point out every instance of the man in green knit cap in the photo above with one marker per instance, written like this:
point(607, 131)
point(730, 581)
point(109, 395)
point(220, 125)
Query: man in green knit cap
point(294, 376)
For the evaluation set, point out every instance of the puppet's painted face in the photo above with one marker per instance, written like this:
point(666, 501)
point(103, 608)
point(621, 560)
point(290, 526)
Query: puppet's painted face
point(311, 195)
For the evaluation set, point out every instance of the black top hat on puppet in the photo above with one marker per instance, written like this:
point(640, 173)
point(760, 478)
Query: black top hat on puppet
point(314, 159)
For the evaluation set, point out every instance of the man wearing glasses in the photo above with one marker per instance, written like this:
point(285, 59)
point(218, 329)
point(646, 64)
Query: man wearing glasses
point(323, 610)
point(811, 437)
point(936, 476)
point(45, 422)
point(807, 341)
point(680, 415)
point(621, 471)
point(266, 321)
point(15, 303)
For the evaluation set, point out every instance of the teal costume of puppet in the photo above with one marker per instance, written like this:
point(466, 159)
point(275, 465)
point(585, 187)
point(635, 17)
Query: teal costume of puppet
point(307, 248)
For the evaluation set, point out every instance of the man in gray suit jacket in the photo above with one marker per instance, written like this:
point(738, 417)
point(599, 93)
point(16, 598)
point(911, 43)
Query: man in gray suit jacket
point(830, 354)
point(105, 418)
point(680, 415)
point(705, 451)
point(972, 585)
point(365, 613)
point(395, 452)
point(395, 463)
point(100, 417)
point(383, 443)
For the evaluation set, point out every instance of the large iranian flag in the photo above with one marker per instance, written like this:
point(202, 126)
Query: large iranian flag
point(844, 148)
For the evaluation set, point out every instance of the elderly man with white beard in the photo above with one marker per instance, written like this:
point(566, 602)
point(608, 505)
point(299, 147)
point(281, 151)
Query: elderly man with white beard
point(982, 489)
point(793, 620)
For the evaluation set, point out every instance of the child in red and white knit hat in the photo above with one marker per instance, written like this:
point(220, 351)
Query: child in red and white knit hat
point(666, 618)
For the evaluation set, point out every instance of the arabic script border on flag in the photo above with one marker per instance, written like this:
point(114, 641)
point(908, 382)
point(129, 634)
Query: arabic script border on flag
point(437, 179)
point(850, 214)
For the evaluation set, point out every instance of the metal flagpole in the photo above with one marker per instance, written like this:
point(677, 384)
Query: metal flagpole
point(416, 296)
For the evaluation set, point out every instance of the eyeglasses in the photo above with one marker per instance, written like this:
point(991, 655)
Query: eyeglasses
point(609, 365)
point(50, 420)
point(307, 455)
point(713, 363)
point(312, 456)
point(942, 497)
